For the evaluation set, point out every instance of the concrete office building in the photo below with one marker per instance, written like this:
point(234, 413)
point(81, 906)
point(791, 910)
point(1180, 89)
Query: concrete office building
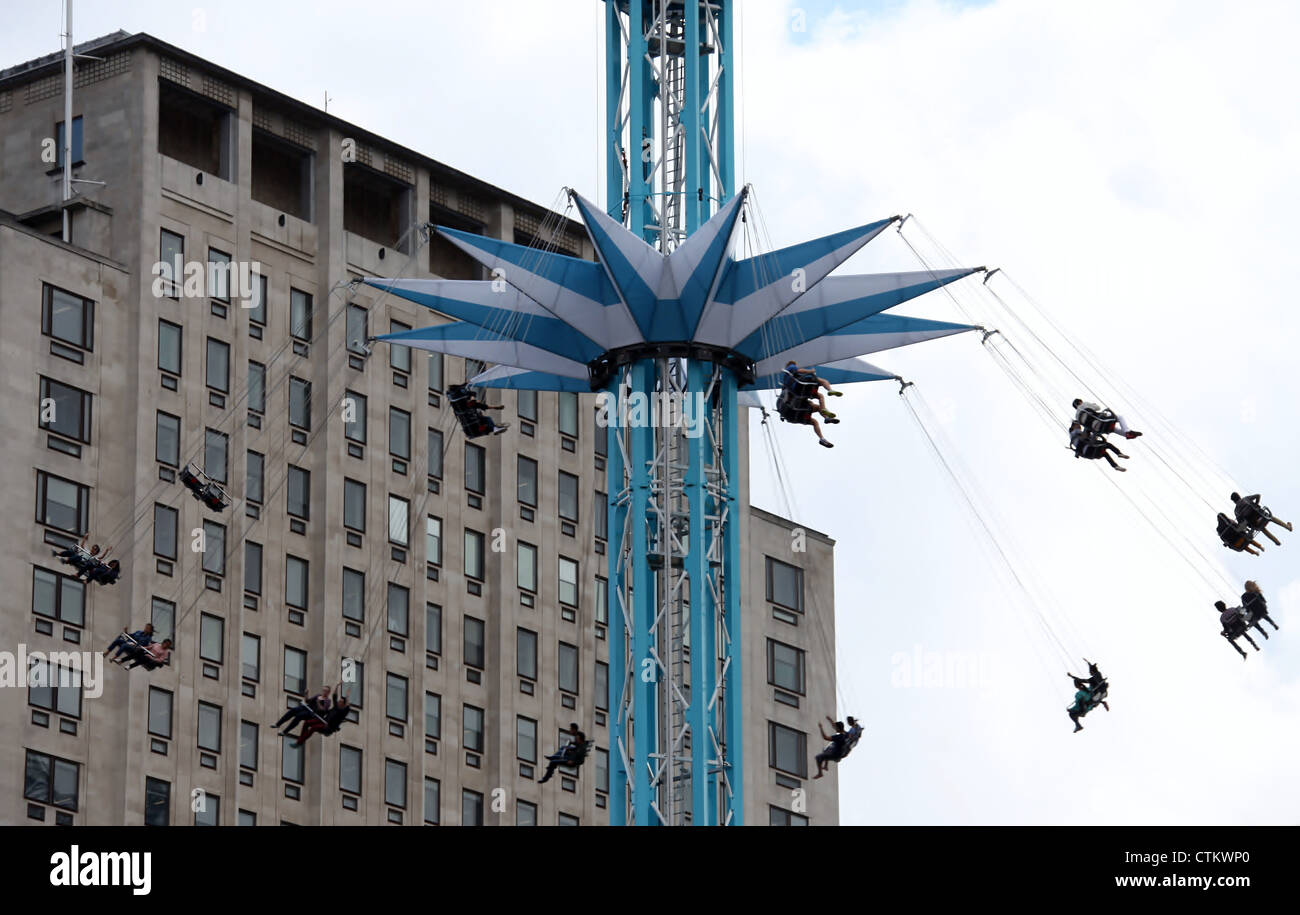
point(457, 586)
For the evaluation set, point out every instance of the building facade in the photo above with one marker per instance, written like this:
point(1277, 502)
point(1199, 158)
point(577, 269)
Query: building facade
point(454, 589)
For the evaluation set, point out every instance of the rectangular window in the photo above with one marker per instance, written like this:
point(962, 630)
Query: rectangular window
point(602, 601)
point(162, 613)
point(526, 653)
point(257, 313)
point(295, 671)
point(214, 548)
point(349, 769)
point(568, 496)
point(602, 686)
point(399, 356)
point(354, 417)
point(255, 467)
point(169, 347)
point(292, 760)
point(354, 595)
point(65, 410)
point(471, 808)
point(435, 372)
point(787, 750)
point(62, 504)
point(54, 688)
point(566, 819)
point(256, 387)
point(252, 567)
point(785, 667)
point(528, 405)
point(358, 328)
point(776, 816)
point(433, 540)
point(399, 605)
point(435, 453)
point(475, 468)
point(355, 689)
point(527, 481)
point(473, 554)
point(784, 585)
point(216, 445)
point(68, 318)
point(299, 493)
point(75, 143)
point(354, 505)
point(167, 439)
point(395, 698)
point(299, 403)
point(209, 727)
point(568, 668)
point(50, 780)
point(171, 259)
point(250, 657)
point(162, 616)
point(399, 515)
point(248, 745)
point(219, 275)
point(212, 638)
point(527, 563)
point(475, 642)
point(58, 596)
point(210, 813)
point(432, 801)
point(473, 730)
point(525, 814)
point(569, 414)
point(525, 739)
point(432, 716)
point(600, 516)
point(399, 433)
point(568, 582)
point(602, 770)
point(300, 315)
point(295, 582)
point(433, 628)
point(164, 531)
point(157, 802)
point(600, 435)
point(160, 713)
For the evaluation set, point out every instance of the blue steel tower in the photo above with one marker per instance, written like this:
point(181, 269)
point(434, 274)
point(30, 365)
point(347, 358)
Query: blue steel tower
point(670, 328)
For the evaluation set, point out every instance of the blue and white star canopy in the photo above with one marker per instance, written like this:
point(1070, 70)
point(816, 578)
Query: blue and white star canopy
point(544, 316)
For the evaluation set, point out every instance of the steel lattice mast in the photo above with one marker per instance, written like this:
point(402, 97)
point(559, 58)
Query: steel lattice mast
point(676, 734)
point(669, 327)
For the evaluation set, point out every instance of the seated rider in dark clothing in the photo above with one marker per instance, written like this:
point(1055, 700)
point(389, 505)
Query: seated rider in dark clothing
point(333, 720)
point(469, 411)
point(125, 642)
point(1236, 536)
point(571, 754)
point(1255, 516)
point(836, 749)
point(1092, 446)
point(1253, 603)
point(307, 710)
point(106, 574)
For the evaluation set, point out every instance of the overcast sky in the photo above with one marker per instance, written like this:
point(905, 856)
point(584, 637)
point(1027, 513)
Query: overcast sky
point(1131, 165)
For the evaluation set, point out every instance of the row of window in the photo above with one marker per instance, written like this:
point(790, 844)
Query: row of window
point(157, 795)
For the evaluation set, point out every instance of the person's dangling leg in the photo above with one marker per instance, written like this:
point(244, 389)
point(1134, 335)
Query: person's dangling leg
point(294, 713)
point(1269, 534)
point(812, 420)
point(1111, 461)
point(552, 762)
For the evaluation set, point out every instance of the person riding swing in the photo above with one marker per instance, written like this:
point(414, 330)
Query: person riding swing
point(800, 389)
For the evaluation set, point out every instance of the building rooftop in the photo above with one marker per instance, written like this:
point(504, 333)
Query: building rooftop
point(119, 41)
